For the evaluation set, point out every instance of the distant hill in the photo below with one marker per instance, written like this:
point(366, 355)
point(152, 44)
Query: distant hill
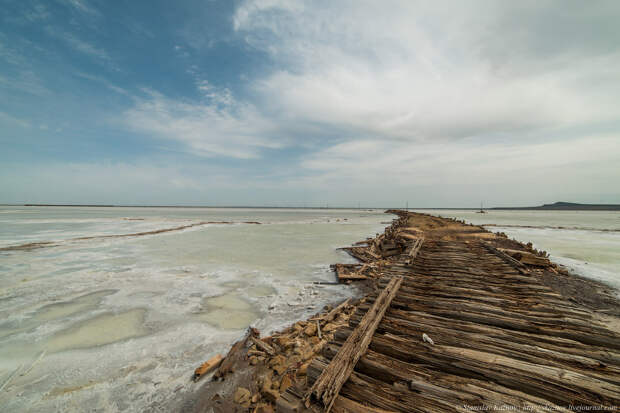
point(568, 206)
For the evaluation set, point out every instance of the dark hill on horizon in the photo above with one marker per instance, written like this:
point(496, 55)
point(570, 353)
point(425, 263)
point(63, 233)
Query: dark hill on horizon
point(567, 206)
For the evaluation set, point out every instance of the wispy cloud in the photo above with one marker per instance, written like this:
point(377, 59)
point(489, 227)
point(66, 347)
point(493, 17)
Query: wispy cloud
point(80, 45)
point(82, 6)
point(218, 125)
point(417, 70)
point(105, 82)
point(6, 118)
point(25, 81)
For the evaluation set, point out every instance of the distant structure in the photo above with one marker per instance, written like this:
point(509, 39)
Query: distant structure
point(482, 211)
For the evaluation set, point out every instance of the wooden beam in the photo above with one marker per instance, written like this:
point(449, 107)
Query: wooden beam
point(331, 380)
point(414, 250)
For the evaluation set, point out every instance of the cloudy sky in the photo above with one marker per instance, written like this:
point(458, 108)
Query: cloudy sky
point(284, 102)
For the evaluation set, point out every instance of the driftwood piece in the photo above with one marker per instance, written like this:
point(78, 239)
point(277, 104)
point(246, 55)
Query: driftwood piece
point(263, 346)
point(328, 385)
point(235, 353)
point(207, 366)
point(333, 313)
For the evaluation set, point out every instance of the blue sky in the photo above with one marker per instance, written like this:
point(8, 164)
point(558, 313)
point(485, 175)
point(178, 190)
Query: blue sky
point(293, 103)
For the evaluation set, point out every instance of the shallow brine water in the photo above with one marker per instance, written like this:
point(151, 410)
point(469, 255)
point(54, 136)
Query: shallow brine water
point(119, 324)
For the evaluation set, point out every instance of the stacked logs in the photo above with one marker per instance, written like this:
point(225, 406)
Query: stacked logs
point(374, 253)
point(281, 360)
point(472, 327)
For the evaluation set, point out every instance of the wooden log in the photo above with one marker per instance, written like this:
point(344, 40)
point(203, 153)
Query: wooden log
point(507, 258)
point(526, 257)
point(380, 395)
point(559, 386)
point(327, 387)
point(207, 366)
point(530, 350)
point(235, 353)
point(352, 277)
point(263, 346)
point(444, 386)
point(333, 313)
point(406, 322)
point(408, 236)
point(415, 249)
point(346, 405)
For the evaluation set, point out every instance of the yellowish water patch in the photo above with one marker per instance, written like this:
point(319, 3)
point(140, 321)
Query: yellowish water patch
point(78, 305)
point(229, 311)
point(55, 311)
point(261, 291)
point(104, 329)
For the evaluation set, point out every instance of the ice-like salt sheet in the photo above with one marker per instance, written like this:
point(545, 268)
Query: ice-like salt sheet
point(229, 311)
point(123, 322)
point(64, 309)
point(100, 330)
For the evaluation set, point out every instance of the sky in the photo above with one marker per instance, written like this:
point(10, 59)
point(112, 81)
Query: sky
point(309, 103)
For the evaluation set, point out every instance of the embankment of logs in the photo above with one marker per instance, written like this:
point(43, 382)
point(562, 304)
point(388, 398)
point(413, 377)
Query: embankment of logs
point(459, 319)
point(470, 327)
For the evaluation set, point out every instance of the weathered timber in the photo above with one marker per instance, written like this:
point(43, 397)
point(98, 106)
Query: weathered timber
point(327, 387)
point(235, 352)
point(207, 366)
point(526, 257)
point(263, 346)
point(501, 336)
point(413, 252)
point(515, 263)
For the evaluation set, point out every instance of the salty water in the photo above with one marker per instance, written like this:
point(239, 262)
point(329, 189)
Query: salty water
point(119, 324)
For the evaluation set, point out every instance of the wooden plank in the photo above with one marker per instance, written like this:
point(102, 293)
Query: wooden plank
point(328, 385)
point(507, 258)
point(414, 250)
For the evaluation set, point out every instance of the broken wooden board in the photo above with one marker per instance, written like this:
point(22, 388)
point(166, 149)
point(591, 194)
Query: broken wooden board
point(327, 386)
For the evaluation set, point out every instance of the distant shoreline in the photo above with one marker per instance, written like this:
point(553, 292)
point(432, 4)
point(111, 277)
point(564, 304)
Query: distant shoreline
point(557, 206)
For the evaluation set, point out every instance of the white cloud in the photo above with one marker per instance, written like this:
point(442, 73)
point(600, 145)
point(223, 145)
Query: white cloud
point(85, 47)
point(218, 125)
point(420, 70)
point(464, 172)
point(12, 120)
point(82, 6)
point(80, 45)
point(435, 102)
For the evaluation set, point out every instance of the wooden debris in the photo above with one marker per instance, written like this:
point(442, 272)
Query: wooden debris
point(415, 248)
point(207, 366)
point(501, 337)
point(327, 386)
point(263, 346)
point(242, 396)
point(526, 257)
point(235, 352)
point(515, 263)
